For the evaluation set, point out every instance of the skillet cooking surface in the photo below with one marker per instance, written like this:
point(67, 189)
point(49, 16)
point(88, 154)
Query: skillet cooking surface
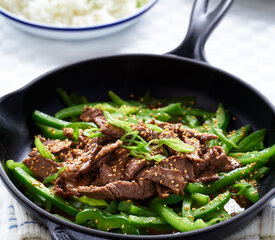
point(165, 76)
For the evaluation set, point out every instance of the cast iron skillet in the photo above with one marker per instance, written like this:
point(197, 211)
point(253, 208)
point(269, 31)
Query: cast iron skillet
point(166, 75)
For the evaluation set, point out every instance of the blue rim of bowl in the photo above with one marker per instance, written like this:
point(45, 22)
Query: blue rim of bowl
point(29, 23)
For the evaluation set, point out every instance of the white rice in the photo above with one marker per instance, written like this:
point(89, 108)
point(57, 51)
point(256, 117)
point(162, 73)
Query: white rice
point(73, 12)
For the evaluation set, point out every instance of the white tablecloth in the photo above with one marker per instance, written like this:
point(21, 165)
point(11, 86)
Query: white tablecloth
point(243, 44)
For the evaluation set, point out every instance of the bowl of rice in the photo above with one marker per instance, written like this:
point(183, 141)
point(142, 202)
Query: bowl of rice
point(73, 19)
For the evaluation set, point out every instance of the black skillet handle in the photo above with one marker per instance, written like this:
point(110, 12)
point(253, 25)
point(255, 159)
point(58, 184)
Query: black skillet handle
point(58, 232)
point(202, 23)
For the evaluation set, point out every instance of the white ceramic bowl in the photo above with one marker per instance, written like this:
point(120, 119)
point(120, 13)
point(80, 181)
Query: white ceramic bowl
point(74, 33)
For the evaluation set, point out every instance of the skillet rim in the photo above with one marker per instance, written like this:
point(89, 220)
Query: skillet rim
point(51, 218)
point(166, 55)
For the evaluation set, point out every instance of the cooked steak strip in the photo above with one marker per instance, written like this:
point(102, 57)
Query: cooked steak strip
point(65, 188)
point(82, 139)
point(202, 137)
point(96, 115)
point(208, 176)
point(172, 179)
point(163, 192)
point(96, 192)
point(182, 132)
point(145, 132)
point(182, 164)
point(114, 171)
point(82, 163)
point(70, 155)
point(214, 161)
point(149, 134)
point(133, 167)
point(231, 164)
point(194, 156)
point(91, 158)
point(107, 149)
point(120, 190)
point(42, 167)
point(55, 145)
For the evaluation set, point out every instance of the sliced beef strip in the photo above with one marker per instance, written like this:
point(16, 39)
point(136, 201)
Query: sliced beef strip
point(106, 174)
point(193, 133)
point(133, 167)
point(149, 134)
point(231, 164)
point(193, 142)
point(96, 115)
point(194, 156)
point(68, 132)
point(65, 188)
point(55, 145)
point(42, 167)
point(96, 192)
point(172, 179)
point(105, 155)
point(82, 139)
point(139, 190)
point(97, 181)
point(214, 161)
point(208, 176)
point(70, 155)
point(89, 160)
point(182, 164)
point(145, 132)
point(168, 134)
point(82, 163)
point(105, 159)
point(114, 171)
point(162, 191)
point(120, 190)
point(89, 114)
point(175, 127)
point(107, 149)
point(183, 132)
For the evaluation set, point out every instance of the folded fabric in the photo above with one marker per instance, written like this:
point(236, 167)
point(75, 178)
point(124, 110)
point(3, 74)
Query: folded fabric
point(23, 227)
